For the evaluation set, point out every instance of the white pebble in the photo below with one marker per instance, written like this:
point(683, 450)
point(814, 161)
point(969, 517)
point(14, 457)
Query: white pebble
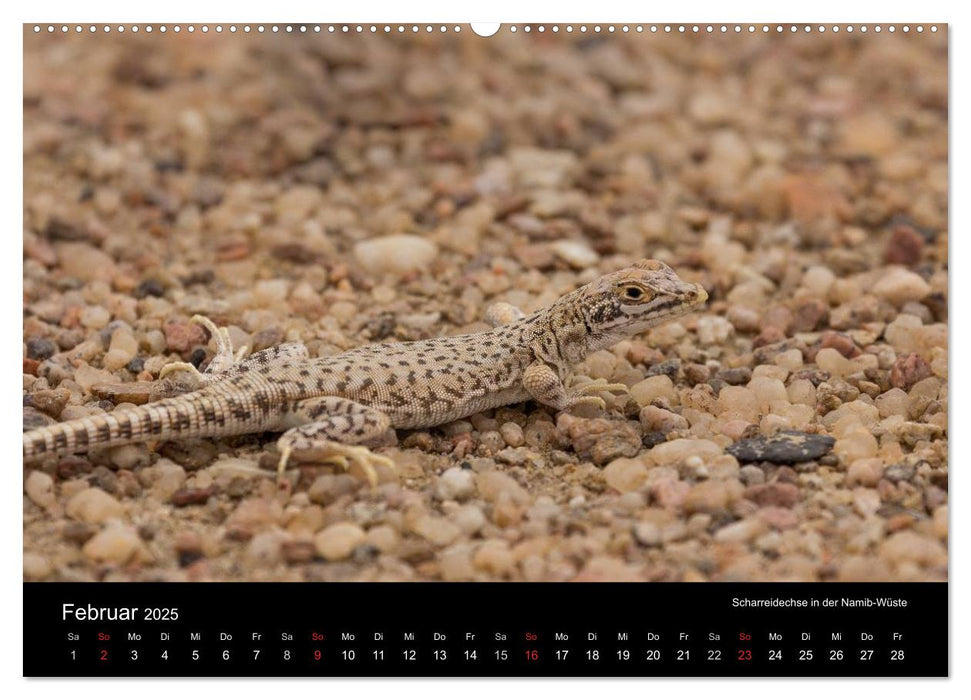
point(455, 484)
point(898, 286)
point(658, 386)
point(398, 253)
point(338, 541)
point(576, 254)
point(512, 433)
point(39, 488)
point(92, 505)
point(714, 330)
point(625, 474)
point(95, 317)
point(115, 544)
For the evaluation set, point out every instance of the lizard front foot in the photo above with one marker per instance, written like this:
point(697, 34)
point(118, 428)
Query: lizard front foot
point(599, 386)
point(339, 455)
point(179, 367)
point(586, 400)
point(587, 394)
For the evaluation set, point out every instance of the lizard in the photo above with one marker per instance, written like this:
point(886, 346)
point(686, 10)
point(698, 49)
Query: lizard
point(328, 407)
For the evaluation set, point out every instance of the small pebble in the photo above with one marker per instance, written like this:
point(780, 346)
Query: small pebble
point(625, 474)
point(398, 254)
point(116, 544)
point(92, 505)
point(39, 488)
point(37, 567)
point(898, 286)
point(512, 433)
point(40, 348)
point(337, 541)
point(785, 447)
point(864, 472)
point(455, 484)
point(647, 390)
point(576, 254)
point(95, 317)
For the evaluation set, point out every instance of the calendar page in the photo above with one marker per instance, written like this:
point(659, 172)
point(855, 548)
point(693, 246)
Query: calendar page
point(465, 350)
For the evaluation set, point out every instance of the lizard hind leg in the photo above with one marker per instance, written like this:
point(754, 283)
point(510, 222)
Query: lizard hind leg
point(329, 429)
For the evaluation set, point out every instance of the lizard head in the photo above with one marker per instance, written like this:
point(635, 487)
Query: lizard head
point(624, 303)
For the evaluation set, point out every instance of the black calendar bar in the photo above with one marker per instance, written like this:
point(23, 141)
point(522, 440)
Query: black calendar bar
point(429, 629)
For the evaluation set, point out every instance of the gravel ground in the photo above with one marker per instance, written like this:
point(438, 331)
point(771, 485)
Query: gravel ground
point(342, 190)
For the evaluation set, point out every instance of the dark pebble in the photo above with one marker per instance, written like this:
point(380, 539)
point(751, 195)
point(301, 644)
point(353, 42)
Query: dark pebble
point(654, 438)
point(149, 288)
point(364, 554)
point(136, 365)
point(908, 370)
point(933, 498)
point(295, 253)
point(784, 495)
point(79, 533)
point(816, 376)
point(239, 487)
point(786, 447)
point(60, 230)
point(147, 531)
point(668, 367)
point(199, 277)
point(191, 497)
point(197, 357)
point(169, 165)
point(105, 479)
point(899, 472)
point(298, 551)
point(382, 326)
point(735, 376)
point(266, 338)
point(697, 374)
point(49, 401)
point(33, 418)
point(40, 348)
point(188, 558)
point(319, 171)
point(72, 467)
point(904, 247)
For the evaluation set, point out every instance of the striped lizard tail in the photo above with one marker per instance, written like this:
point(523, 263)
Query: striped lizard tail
point(188, 415)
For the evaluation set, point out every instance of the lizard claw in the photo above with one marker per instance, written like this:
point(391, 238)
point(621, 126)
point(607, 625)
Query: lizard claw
point(598, 386)
point(344, 457)
point(281, 466)
point(179, 367)
point(366, 461)
point(588, 393)
point(581, 400)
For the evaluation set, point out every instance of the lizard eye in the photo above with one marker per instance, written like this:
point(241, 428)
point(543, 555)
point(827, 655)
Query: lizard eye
point(633, 293)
